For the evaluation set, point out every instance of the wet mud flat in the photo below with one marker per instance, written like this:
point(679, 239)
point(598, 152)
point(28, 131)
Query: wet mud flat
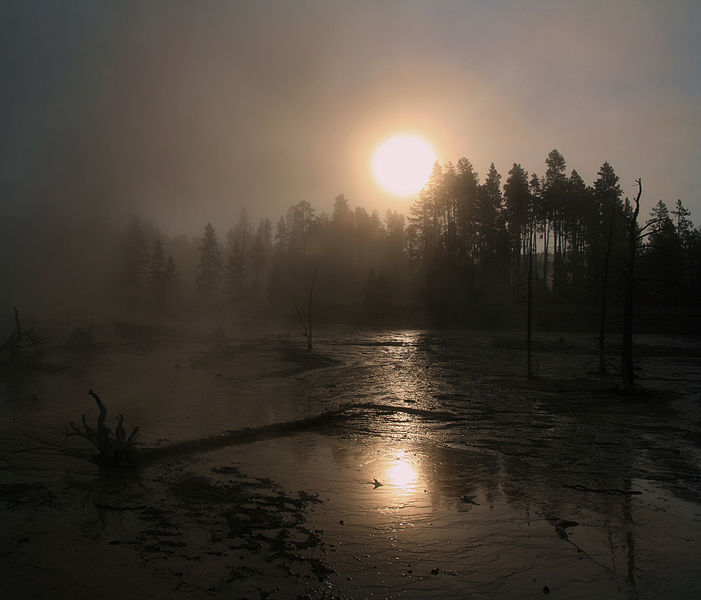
point(171, 533)
point(383, 465)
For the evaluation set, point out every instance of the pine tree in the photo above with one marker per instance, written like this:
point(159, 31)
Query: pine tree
point(517, 206)
point(171, 281)
point(282, 242)
point(664, 266)
point(242, 233)
point(210, 266)
point(299, 221)
point(682, 221)
point(554, 196)
point(580, 214)
point(261, 251)
point(156, 274)
point(466, 189)
point(236, 274)
point(607, 194)
point(424, 226)
point(136, 259)
point(489, 207)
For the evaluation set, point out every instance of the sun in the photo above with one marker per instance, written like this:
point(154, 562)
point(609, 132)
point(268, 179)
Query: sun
point(403, 163)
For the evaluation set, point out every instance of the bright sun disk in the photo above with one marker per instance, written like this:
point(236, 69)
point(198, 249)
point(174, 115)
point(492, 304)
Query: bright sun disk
point(403, 163)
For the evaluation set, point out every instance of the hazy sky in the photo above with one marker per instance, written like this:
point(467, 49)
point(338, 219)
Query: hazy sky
point(186, 111)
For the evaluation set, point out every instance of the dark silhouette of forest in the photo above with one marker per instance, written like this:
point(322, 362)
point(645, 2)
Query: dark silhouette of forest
point(461, 257)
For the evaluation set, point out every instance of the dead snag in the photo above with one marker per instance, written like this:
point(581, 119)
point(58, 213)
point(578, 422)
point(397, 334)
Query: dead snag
point(114, 449)
point(633, 246)
point(20, 346)
point(306, 326)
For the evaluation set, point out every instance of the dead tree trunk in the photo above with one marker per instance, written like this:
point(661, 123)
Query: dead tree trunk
point(604, 296)
point(529, 318)
point(309, 309)
point(627, 353)
point(546, 243)
point(307, 325)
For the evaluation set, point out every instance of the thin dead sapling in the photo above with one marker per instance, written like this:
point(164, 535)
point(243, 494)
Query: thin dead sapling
point(307, 326)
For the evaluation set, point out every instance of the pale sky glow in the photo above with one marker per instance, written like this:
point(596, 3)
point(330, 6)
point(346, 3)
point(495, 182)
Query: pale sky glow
point(188, 111)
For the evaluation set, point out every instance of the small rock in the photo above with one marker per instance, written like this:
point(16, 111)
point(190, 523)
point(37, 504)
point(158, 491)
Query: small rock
point(341, 522)
point(435, 571)
point(546, 589)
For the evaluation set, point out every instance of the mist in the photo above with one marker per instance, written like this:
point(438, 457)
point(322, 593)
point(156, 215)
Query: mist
point(235, 362)
point(186, 113)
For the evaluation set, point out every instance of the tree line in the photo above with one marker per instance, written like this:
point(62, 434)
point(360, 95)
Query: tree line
point(466, 248)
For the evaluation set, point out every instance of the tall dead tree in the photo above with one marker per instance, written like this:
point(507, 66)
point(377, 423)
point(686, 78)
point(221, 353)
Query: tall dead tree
point(307, 325)
point(633, 245)
point(529, 318)
point(604, 294)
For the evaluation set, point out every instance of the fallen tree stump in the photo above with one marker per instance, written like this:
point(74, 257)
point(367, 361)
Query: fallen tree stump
point(114, 449)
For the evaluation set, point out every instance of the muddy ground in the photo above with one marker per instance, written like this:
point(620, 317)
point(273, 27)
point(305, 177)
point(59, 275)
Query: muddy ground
point(401, 464)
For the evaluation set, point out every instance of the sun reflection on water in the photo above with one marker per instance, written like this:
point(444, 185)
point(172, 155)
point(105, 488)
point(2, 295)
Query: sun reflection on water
point(401, 473)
